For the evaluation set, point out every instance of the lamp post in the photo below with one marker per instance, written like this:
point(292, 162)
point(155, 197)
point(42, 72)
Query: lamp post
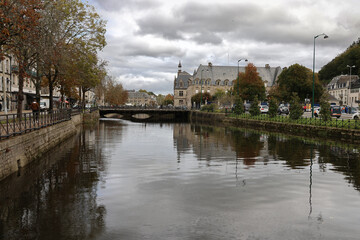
point(350, 83)
point(313, 85)
point(239, 71)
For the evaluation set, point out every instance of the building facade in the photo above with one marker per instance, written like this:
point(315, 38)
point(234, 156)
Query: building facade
point(209, 78)
point(136, 98)
point(345, 89)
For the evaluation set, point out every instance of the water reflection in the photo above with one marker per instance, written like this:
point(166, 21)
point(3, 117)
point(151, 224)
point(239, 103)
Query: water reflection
point(126, 180)
point(251, 148)
point(55, 199)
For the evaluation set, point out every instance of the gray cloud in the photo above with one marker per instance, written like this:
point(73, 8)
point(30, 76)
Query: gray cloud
point(147, 39)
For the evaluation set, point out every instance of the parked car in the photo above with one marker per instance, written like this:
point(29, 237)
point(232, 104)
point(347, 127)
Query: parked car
point(264, 109)
point(335, 111)
point(356, 116)
point(282, 109)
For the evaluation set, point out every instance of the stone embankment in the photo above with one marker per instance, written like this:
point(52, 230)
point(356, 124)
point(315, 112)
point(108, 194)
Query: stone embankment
point(329, 133)
point(16, 152)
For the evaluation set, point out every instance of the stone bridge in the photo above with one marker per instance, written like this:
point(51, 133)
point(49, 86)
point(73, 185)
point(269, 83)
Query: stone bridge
point(146, 114)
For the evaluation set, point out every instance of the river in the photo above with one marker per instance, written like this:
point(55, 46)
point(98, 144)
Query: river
point(125, 180)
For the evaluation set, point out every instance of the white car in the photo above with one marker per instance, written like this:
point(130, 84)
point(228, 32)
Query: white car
point(356, 116)
point(264, 109)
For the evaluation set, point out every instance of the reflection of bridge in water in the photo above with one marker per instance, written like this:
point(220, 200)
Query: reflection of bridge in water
point(146, 114)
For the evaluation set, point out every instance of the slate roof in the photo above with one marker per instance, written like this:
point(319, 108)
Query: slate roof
point(222, 73)
point(133, 94)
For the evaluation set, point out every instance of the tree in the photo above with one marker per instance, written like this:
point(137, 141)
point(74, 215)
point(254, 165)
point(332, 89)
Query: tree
point(69, 23)
point(197, 98)
point(250, 84)
point(296, 110)
point(338, 66)
point(298, 79)
point(239, 106)
point(169, 99)
point(17, 19)
point(115, 93)
point(325, 107)
point(254, 108)
point(273, 107)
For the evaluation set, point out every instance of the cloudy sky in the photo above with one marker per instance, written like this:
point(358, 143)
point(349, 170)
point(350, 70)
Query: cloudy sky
point(147, 38)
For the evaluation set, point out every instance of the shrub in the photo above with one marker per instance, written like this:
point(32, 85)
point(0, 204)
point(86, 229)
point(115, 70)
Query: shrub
point(296, 110)
point(254, 108)
point(273, 107)
point(325, 113)
point(239, 107)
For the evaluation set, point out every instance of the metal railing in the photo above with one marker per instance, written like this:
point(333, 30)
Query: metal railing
point(11, 125)
point(331, 123)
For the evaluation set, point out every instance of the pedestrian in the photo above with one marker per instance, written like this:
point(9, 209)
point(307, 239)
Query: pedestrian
point(346, 109)
point(35, 109)
point(0, 107)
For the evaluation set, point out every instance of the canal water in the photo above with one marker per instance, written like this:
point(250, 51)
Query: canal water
point(125, 180)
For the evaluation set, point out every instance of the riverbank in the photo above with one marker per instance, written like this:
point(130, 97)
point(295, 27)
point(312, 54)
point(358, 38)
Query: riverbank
point(322, 132)
point(18, 151)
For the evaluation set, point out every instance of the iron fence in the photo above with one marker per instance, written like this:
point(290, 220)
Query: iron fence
point(11, 124)
point(336, 123)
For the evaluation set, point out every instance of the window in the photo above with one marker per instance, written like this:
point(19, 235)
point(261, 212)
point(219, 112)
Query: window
point(217, 82)
point(181, 93)
point(181, 84)
point(226, 82)
point(181, 102)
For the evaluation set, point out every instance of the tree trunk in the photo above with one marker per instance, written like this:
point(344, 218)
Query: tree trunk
point(20, 95)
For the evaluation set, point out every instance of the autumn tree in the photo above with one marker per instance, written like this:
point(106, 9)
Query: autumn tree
point(250, 84)
point(115, 94)
point(298, 79)
point(69, 22)
point(17, 18)
point(169, 99)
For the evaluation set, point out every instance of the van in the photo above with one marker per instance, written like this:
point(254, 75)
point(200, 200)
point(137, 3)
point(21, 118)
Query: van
point(335, 111)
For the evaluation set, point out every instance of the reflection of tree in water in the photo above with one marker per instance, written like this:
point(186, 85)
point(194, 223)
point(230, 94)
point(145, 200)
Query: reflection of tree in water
point(247, 145)
point(62, 202)
point(344, 160)
point(293, 151)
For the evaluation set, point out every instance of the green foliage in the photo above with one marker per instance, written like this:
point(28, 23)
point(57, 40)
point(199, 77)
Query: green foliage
point(325, 113)
point(273, 107)
point(197, 97)
point(298, 79)
point(296, 110)
point(254, 108)
point(208, 107)
point(338, 65)
point(239, 106)
point(250, 84)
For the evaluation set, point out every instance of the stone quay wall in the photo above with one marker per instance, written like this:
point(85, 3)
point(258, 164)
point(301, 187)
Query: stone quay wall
point(18, 151)
point(337, 134)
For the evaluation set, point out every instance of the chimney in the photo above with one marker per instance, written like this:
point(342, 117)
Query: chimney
point(179, 68)
point(267, 66)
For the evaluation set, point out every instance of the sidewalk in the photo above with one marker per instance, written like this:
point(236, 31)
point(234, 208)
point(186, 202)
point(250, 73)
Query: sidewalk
point(14, 112)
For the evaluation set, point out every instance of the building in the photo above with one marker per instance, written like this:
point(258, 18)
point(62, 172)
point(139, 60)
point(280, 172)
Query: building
point(209, 78)
point(136, 98)
point(344, 90)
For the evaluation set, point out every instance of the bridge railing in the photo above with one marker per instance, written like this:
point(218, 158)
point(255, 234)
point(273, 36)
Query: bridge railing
point(142, 108)
point(11, 124)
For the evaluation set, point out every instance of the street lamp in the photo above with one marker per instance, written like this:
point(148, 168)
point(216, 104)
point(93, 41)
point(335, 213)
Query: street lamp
point(313, 85)
point(353, 66)
point(239, 70)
